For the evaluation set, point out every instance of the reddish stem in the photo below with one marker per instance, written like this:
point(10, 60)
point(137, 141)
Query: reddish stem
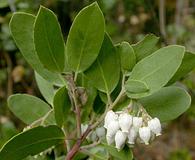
point(77, 145)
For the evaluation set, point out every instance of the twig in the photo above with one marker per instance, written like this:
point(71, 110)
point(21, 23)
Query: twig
point(77, 104)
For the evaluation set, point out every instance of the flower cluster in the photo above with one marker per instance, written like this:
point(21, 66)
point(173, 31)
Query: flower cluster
point(123, 127)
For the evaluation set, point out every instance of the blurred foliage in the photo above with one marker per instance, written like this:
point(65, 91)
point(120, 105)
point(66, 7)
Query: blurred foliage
point(182, 154)
point(126, 20)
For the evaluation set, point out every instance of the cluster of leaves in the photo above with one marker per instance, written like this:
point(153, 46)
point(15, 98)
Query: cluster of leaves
point(98, 72)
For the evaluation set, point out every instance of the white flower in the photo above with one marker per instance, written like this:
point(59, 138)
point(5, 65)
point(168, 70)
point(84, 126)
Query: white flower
point(109, 139)
point(155, 126)
point(137, 122)
point(132, 135)
point(112, 128)
point(125, 122)
point(120, 139)
point(110, 116)
point(100, 132)
point(145, 134)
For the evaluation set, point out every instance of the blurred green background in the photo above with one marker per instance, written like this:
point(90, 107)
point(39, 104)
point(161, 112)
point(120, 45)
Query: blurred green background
point(130, 20)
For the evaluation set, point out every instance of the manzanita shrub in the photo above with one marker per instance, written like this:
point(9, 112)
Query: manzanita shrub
point(100, 98)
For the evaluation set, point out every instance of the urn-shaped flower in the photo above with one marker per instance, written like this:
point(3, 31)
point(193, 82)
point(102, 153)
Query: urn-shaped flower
point(132, 135)
point(145, 134)
point(125, 122)
point(110, 116)
point(112, 128)
point(120, 139)
point(155, 126)
point(137, 122)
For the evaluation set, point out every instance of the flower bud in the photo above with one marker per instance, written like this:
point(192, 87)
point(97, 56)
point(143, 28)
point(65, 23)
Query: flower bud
point(112, 128)
point(137, 122)
point(132, 135)
point(145, 134)
point(155, 126)
point(120, 139)
point(93, 136)
point(125, 122)
point(100, 132)
point(110, 116)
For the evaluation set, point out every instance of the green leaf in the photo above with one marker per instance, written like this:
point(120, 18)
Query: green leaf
point(127, 56)
point(21, 26)
point(85, 38)
point(125, 153)
point(99, 106)
point(157, 69)
point(167, 104)
point(62, 105)
point(31, 142)
point(27, 108)
point(187, 65)
point(49, 41)
point(46, 88)
point(104, 74)
point(97, 153)
point(145, 47)
point(136, 86)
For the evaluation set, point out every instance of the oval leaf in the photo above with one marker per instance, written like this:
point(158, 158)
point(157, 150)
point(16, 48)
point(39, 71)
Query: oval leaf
point(167, 104)
point(62, 105)
point(46, 88)
point(146, 46)
point(157, 69)
point(104, 74)
point(27, 108)
point(23, 36)
point(135, 86)
point(49, 41)
point(187, 65)
point(31, 142)
point(85, 38)
point(127, 56)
